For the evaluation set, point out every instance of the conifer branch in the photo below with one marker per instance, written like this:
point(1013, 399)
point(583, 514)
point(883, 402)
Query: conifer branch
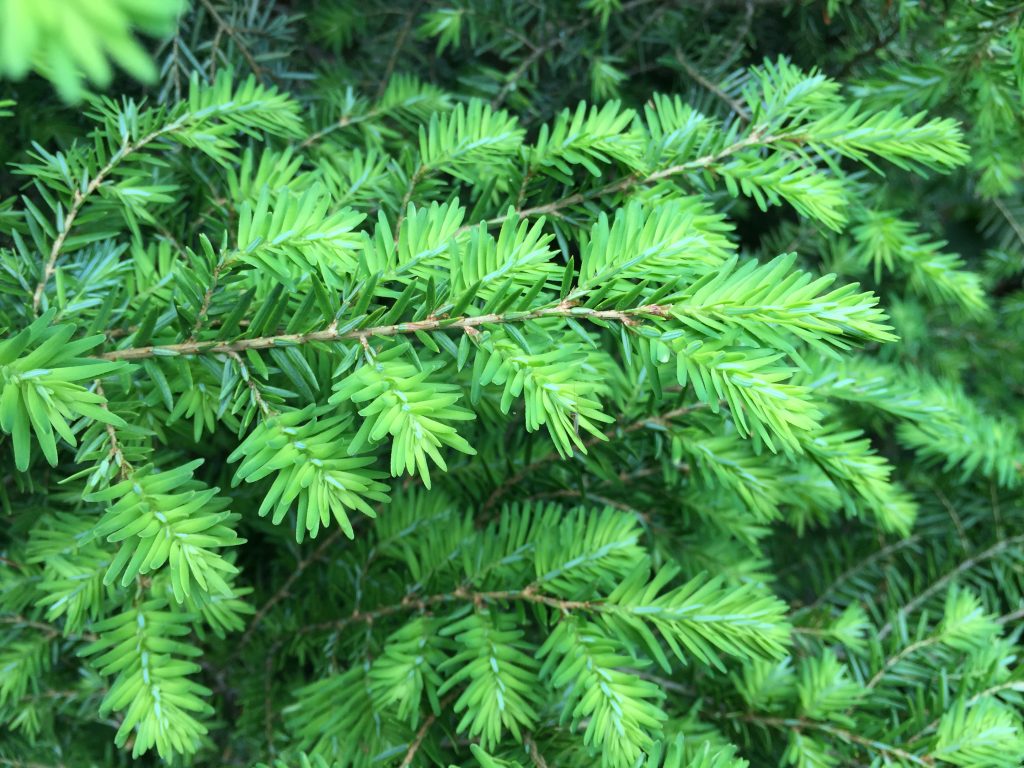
point(421, 734)
point(1012, 685)
point(124, 467)
point(662, 420)
point(207, 299)
point(342, 122)
point(858, 567)
point(465, 323)
point(411, 603)
point(265, 409)
point(1016, 226)
point(283, 591)
point(47, 629)
point(576, 272)
point(896, 658)
point(535, 756)
point(872, 745)
point(79, 199)
point(538, 52)
point(228, 29)
point(939, 584)
point(734, 105)
point(756, 138)
point(396, 49)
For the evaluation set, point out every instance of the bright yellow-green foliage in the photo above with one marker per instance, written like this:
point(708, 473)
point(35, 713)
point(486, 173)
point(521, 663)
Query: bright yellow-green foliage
point(511, 384)
point(74, 41)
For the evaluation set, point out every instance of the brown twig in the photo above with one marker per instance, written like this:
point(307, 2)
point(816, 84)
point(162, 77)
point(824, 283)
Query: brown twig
point(116, 452)
point(254, 389)
point(421, 734)
point(282, 592)
point(342, 122)
point(48, 629)
point(560, 38)
point(208, 299)
point(528, 594)
point(408, 603)
point(535, 756)
point(403, 33)
point(12, 763)
point(230, 31)
point(695, 74)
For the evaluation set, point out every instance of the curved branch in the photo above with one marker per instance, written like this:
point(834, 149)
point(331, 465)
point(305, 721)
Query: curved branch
point(81, 196)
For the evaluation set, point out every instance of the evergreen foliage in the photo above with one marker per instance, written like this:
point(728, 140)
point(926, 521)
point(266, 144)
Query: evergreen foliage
point(506, 383)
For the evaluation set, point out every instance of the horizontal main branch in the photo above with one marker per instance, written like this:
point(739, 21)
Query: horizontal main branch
point(331, 334)
point(528, 594)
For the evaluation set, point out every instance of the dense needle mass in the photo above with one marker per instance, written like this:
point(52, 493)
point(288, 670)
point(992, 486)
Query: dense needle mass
point(511, 384)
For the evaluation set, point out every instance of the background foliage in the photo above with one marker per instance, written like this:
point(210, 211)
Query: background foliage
point(511, 383)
